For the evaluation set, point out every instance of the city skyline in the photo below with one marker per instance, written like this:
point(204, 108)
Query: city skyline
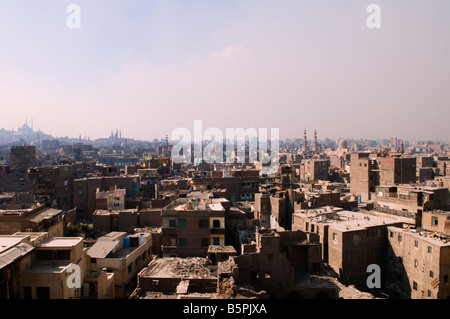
point(117, 134)
point(152, 67)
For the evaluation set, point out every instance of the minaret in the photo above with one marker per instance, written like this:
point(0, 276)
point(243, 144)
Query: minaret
point(304, 142)
point(315, 149)
point(402, 150)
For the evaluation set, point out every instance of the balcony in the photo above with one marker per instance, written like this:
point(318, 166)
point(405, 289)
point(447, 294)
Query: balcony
point(217, 231)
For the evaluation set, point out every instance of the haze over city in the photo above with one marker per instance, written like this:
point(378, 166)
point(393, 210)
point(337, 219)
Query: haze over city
point(148, 67)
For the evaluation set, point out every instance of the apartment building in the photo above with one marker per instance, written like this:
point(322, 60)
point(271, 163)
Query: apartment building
point(350, 240)
point(35, 219)
point(85, 189)
point(122, 255)
point(418, 262)
point(191, 224)
point(410, 201)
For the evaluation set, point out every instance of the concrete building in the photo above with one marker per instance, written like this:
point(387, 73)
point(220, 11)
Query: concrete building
point(351, 240)
point(38, 219)
point(436, 221)
point(15, 258)
point(113, 199)
point(124, 256)
point(368, 170)
point(239, 184)
point(179, 277)
point(22, 158)
point(84, 191)
point(48, 277)
point(410, 201)
point(276, 259)
point(54, 185)
point(122, 220)
point(314, 169)
point(190, 225)
point(418, 263)
point(364, 175)
point(397, 170)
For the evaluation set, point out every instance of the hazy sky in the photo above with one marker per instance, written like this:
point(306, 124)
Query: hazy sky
point(147, 67)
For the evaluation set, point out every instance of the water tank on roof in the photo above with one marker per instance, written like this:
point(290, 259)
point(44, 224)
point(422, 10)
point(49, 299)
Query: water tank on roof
point(126, 242)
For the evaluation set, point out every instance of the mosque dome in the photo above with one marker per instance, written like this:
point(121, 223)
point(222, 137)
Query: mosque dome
point(343, 144)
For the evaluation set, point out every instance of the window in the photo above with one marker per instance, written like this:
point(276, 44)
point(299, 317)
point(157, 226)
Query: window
point(172, 223)
point(391, 234)
point(431, 274)
point(429, 293)
point(182, 242)
point(414, 285)
point(93, 260)
point(399, 238)
point(312, 228)
point(356, 237)
point(307, 226)
point(430, 249)
point(416, 243)
point(416, 263)
point(204, 242)
point(434, 221)
point(216, 240)
point(182, 223)
point(216, 223)
point(203, 223)
point(446, 278)
point(335, 238)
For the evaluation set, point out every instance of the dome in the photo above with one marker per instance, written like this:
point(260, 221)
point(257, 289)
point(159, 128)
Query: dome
point(343, 144)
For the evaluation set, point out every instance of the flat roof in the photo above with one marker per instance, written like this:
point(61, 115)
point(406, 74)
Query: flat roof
point(49, 268)
point(221, 249)
point(45, 213)
point(347, 220)
point(61, 242)
point(174, 267)
point(426, 236)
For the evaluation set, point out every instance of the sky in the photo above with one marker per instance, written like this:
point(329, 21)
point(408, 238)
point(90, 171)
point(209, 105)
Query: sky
point(147, 67)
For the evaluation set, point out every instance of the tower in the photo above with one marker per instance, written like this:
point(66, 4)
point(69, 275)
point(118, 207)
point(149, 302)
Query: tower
point(305, 147)
point(315, 149)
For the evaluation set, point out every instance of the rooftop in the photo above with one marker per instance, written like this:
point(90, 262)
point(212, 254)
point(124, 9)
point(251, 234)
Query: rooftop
point(347, 220)
point(434, 238)
point(61, 242)
point(45, 213)
point(13, 253)
point(49, 268)
point(174, 267)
